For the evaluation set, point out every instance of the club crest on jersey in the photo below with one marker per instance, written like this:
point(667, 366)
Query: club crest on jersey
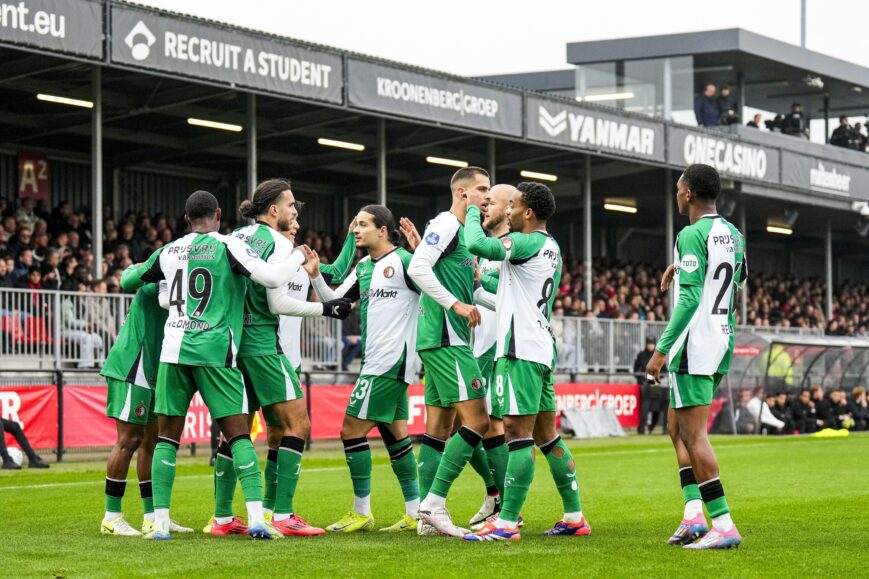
point(507, 243)
point(388, 271)
point(432, 238)
point(690, 263)
point(477, 384)
point(140, 410)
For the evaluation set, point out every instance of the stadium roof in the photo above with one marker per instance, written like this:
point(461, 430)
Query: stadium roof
point(773, 71)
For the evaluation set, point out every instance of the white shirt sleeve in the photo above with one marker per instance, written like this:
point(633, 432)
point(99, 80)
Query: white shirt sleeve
point(163, 294)
point(282, 304)
point(437, 237)
point(484, 298)
point(246, 261)
point(327, 294)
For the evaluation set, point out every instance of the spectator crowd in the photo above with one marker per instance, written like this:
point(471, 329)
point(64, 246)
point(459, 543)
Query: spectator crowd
point(808, 411)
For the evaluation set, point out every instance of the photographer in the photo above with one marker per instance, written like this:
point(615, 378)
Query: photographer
point(795, 123)
point(727, 107)
point(654, 399)
point(844, 135)
point(17, 432)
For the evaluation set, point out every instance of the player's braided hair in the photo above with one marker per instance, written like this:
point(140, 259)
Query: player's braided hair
point(383, 217)
point(201, 204)
point(703, 180)
point(538, 198)
point(266, 194)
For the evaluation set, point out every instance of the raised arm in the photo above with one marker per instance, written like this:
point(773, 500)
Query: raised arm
point(275, 274)
point(139, 274)
point(336, 272)
point(475, 238)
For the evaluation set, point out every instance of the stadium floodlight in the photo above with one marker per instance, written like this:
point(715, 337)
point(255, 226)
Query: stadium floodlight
point(50, 98)
point(620, 205)
point(448, 162)
point(214, 125)
point(779, 229)
point(536, 175)
point(613, 96)
point(341, 144)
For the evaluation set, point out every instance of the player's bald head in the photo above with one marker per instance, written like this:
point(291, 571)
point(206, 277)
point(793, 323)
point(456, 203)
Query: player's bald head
point(502, 192)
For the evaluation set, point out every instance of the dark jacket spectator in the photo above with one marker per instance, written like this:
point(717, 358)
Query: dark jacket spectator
point(706, 108)
point(858, 407)
point(795, 122)
point(754, 123)
point(729, 114)
point(803, 414)
point(843, 135)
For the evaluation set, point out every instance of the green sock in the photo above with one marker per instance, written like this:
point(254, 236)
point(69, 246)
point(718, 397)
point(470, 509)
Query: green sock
point(115, 494)
point(497, 453)
point(690, 490)
point(163, 471)
point(357, 452)
point(289, 468)
point(480, 463)
point(430, 452)
point(246, 466)
point(456, 455)
point(271, 480)
point(713, 497)
point(563, 470)
point(146, 490)
point(224, 481)
point(520, 473)
point(403, 463)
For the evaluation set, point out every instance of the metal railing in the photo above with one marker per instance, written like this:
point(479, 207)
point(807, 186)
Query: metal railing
point(53, 330)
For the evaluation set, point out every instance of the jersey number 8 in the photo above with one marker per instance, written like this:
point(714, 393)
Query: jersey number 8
point(197, 277)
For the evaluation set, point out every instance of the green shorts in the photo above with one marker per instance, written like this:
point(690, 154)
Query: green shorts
point(487, 369)
point(451, 375)
point(692, 389)
point(378, 398)
point(523, 387)
point(130, 403)
point(222, 389)
point(269, 380)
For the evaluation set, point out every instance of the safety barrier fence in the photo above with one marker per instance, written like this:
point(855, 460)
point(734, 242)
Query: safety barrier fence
point(55, 330)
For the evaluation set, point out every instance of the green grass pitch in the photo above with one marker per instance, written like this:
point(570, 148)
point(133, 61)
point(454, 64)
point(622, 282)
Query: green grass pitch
point(800, 504)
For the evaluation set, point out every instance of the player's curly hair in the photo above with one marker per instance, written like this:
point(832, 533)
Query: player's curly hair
point(703, 181)
point(201, 204)
point(538, 198)
point(265, 195)
point(383, 217)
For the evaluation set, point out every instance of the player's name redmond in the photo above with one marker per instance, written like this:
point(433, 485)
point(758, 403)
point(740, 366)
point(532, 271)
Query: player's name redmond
point(189, 325)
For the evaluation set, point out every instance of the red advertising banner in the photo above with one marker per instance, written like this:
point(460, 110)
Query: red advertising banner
point(35, 408)
point(329, 402)
point(33, 176)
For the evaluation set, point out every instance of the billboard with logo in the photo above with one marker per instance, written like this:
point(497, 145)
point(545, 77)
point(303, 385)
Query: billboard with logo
point(571, 125)
point(824, 176)
point(68, 26)
point(145, 39)
point(733, 158)
point(396, 91)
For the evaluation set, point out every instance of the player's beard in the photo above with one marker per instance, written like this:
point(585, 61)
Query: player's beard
point(284, 224)
point(492, 223)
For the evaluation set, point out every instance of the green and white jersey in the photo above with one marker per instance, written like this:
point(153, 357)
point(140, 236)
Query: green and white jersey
point(260, 336)
point(443, 250)
point(206, 276)
point(388, 301)
point(486, 334)
point(135, 356)
point(530, 272)
point(709, 254)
